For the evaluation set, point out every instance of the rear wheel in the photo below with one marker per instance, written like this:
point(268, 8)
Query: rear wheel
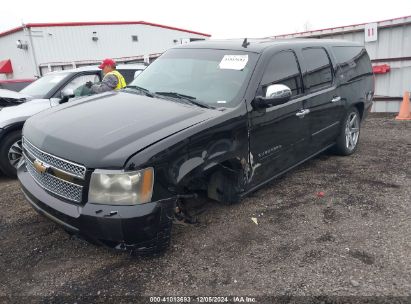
point(347, 141)
point(10, 153)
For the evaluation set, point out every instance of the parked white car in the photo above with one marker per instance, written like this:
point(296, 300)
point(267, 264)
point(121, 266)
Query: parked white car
point(44, 93)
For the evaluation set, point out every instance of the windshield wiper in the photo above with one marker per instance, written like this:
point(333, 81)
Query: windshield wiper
point(145, 91)
point(187, 98)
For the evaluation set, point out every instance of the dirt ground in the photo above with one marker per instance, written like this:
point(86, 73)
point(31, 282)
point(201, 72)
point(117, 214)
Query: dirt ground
point(355, 240)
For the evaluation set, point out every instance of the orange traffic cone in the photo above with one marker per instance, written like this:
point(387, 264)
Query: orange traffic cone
point(404, 113)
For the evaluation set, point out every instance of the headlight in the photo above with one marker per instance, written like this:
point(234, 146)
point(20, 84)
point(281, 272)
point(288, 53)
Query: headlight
point(121, 188)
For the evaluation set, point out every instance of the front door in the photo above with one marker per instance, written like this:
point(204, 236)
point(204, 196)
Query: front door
point(278, 133)
point(77, 84)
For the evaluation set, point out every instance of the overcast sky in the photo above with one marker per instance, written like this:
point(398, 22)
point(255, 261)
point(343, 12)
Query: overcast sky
point(221, 19)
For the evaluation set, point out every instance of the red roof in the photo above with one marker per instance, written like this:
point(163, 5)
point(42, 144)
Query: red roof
point(5, 67)
point(30, 25)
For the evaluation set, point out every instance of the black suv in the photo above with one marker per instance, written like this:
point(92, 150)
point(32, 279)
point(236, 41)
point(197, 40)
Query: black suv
point(215, 118)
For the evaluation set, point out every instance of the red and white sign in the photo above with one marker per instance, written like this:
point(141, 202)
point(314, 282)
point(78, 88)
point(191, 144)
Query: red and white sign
point(370, 31)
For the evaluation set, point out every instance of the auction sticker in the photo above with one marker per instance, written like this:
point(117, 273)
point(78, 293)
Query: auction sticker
point(233, 62)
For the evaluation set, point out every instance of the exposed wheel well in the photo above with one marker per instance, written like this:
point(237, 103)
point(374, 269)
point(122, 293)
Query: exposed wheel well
point(221, 182)
point(225, 182)
point(10, 129)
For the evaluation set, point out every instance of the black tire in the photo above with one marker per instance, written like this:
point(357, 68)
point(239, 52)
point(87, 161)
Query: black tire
point(346, 146)
point(5, 166)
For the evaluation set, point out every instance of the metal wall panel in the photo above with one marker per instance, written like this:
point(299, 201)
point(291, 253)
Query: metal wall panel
point(21, 60)
point(67, 44)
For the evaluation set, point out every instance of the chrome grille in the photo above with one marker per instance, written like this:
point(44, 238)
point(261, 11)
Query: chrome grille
point(55, 185)
point(67, 184)
point(65, 165)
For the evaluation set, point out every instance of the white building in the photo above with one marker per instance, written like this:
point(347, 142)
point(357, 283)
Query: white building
point(37, 48)
point(388, 43)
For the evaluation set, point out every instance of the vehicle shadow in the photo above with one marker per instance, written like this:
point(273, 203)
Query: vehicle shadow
point(4, 178)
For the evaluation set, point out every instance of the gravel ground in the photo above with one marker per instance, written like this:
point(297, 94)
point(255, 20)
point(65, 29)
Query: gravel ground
point(355, 240)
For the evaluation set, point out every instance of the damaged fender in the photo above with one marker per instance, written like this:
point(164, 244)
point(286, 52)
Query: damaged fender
point(214, 159)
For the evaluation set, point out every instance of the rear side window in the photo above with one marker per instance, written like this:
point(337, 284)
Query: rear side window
point(353, 61)
point(319, 70)
point(346, 54)
point(283, 68)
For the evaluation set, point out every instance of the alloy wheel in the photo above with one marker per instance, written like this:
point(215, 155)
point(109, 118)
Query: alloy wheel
point(15, 153)
point(352, 131)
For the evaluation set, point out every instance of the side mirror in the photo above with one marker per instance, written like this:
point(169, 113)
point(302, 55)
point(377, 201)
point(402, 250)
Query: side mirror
point(66, 94)
point(276, 94)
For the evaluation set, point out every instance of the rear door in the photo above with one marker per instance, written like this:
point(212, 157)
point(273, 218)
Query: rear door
point(278, 134)
point(323, 102)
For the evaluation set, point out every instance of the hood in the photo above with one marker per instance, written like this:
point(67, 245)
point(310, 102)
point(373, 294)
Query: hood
point(103, 131)
point(11, 98)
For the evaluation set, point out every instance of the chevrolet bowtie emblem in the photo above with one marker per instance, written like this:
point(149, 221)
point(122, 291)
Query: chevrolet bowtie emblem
point(40, 167)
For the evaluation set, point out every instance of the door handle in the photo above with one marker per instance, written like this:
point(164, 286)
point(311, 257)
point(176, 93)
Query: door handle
point(336, 99)
point(302, 113)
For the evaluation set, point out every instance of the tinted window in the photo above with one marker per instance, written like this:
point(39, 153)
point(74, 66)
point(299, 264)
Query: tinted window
point(319, 71)
point(283, 68)
point(353, 61)
point(346, 54)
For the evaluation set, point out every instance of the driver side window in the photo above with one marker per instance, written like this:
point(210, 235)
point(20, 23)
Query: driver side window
point(283, 69)
point(78, 84)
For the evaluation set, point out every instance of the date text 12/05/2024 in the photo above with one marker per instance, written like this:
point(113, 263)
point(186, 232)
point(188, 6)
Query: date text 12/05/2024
point(174, 299)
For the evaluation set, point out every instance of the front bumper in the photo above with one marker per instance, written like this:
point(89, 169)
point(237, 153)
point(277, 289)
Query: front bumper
point(117, 226)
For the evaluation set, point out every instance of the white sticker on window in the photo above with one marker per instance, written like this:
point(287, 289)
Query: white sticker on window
point(233, 62)
point(221, 101)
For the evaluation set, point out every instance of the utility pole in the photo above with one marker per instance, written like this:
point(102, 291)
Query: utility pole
point(32, 50)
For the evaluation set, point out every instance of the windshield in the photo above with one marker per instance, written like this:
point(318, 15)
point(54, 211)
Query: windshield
point(213, 77)
point(43, 85)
